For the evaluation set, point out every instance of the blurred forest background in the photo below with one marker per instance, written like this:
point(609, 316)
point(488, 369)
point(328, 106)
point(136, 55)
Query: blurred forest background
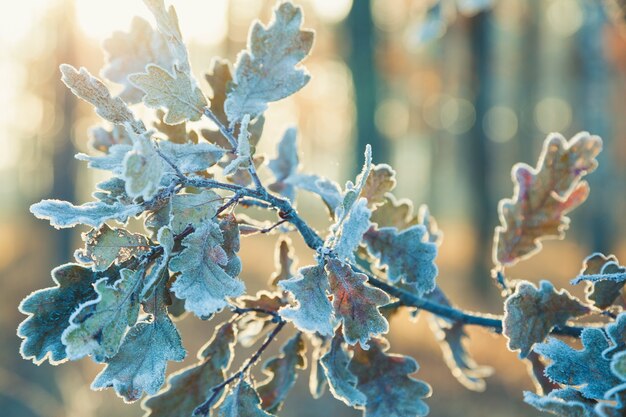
point(451, 93)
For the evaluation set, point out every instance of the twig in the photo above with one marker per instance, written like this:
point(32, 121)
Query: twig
point(177, 170)
point(223, 129)
point(272, 227)
point(205, 407)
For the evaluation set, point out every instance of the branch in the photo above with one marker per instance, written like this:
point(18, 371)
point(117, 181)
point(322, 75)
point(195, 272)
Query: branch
point(205, 407)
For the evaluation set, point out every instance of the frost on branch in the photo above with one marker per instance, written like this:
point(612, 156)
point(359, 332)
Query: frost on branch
point(544, 195)
point(49, 311)
point(356, 303)
point(267, 71)
point(188, 387)
point(605, 279)
point(384, 380)
point(531, 313)
point(281, 374)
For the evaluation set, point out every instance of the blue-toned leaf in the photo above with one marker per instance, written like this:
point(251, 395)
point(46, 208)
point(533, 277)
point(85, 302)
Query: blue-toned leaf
point(563, 402)
point(62, 214)
point(112, 161)
point(285, 165)
point(242, 400)
point(105, 246)
point(341, 381)
point(605, 279)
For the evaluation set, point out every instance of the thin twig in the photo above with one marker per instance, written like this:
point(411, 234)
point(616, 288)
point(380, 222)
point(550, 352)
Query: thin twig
point(205, 407)
point(272, 227)
point(223, 129)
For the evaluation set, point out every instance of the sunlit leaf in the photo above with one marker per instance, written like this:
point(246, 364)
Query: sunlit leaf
point(586, 370)
point(284, 260)
point(63, 214)
point(380, 181)
point(544, 195)
point(281, 372)
point(112, 161)
point(385, 381)
point(605, 279)
point(341, 381)
point(177, 133)
point(189, 387)
point(394, 213)
point(329, 191)
point(204, 282)
point(98, 326)
point(49, 312)
point(267, 71)
point(407, 255)
point(353, 228)
point(159, 271)
point(242, 161)
point(285, 165)
point(219, 77)
point(242, 400)
point(562, 402)
point(531, 313)
point(185, 209)
point(139, 365)
point(192, 157)
point(167, 25)
point(175, 92)
point(142, 168)
point(101, 139)
point(105, 246)
point(356, 303)
point(314, 311)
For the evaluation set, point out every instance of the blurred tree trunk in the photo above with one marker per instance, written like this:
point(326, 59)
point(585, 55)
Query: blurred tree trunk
point(362, 63)
point(477, 148)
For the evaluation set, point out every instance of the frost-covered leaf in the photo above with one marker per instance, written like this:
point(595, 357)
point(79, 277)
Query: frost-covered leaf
point(159, 270)
point(285, 165)
point(349, 236)
point(91, 89)
point(586, 370)
point(341, 381)
point(407, 255)
point(616, 331)
point(267, 71)
point(101, 139)
point(434, 235)
point(49, 312)
point(242, 400)
point(112, 161)
point(544, 195)
point(192, 157)
point(189, 387)
point(112, 191)
point(353, 191)
point(175, 92)
point(142, 168)
point(394, 213)
point(130, 52)
point(317, 376)
point(385, 381)
point(281, 372)
point(252, 325)
point(284, 261)
point(356, 303)
point(63, 214)
point(313, 312)
point(329, 191)
point(139, 365)
point(244, 153)
point(605, 279)
point(380, 181)
point(531, 313)
point(204, 282)
point(185, 209)
point(104, 246)
point(167, 25)
point(98, 326)
point(563, 402)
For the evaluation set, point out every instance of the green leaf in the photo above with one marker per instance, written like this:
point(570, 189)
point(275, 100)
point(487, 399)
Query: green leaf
point(192, 157)
point(185, 209)
point(204, 282)
point(281, 371)
point(267, 71)
point(242, 400)
point(130, 52)
point(140, 363)
point(105, 246)
point(176, 92)
point(562, 402)
point(314, 312)
point(91, 89)
point(142, 168)
point(98, 326)
point(407, 254)
point(356, 303)
point(341, 381)
point(531, 313)
point(586, 370)
point(543, 196)
point(62, 214)
point(49, 312)
point(244, 152)
point(189, 387)
point(385, 381)
point(605, 279)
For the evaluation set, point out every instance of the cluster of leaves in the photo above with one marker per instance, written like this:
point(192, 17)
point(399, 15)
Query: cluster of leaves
point(190, 189)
